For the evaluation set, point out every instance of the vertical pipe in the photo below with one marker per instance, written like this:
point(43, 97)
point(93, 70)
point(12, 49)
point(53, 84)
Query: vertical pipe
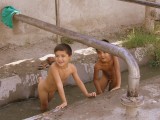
point(150, 14)
point(57, 7)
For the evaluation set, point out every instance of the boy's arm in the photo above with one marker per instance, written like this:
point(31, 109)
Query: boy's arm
point(60, 88)
point(95, 80)
point(81, 84)
point(117, 71)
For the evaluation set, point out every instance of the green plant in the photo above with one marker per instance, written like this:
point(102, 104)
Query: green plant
point(140, 38)
point(154, 63)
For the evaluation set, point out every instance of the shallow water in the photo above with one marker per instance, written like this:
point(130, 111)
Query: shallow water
point(25, 109)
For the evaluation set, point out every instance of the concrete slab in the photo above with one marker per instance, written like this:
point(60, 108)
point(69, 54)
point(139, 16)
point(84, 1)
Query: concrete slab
point(108, 106)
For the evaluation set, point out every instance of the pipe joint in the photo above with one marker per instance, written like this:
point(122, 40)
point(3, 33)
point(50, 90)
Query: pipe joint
point(132, 101)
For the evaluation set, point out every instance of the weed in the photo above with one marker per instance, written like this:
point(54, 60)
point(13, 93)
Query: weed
point(138, 37)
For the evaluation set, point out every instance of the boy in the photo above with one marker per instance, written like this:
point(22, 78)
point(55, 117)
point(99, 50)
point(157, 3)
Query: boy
point(58, 72)
point(109, 66)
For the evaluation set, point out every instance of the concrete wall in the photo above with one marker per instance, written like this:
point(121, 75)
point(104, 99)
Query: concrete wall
point(24, 33)
point(97, 18)
point(86, 16)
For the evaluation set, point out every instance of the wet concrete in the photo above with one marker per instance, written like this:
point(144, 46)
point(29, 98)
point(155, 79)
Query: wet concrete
point(102, 107)
point(108, 106)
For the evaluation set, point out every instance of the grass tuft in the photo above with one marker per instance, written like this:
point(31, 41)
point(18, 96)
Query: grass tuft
point(138, 37)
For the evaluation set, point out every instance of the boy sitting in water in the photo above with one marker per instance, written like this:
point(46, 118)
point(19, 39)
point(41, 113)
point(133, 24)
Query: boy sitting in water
point(58, 72)
point(109, 66)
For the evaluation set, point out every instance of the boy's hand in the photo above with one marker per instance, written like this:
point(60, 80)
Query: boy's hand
point(64, 104)
point(115, 88)
point(92, 94)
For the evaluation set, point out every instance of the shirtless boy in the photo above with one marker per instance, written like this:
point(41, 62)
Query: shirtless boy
point(58, 72)
point(109, 66)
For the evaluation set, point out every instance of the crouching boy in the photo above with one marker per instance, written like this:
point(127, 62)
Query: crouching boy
point(58, 73)
point(110, 68)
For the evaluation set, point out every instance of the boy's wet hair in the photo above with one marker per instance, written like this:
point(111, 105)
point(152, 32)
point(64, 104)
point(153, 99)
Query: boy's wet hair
point(104, 41)
point(63, 47)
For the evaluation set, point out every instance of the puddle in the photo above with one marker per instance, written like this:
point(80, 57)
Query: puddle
point(31, 107)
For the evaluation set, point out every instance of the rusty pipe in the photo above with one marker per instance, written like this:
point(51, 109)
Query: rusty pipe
point(133, 68)
point(146, 3)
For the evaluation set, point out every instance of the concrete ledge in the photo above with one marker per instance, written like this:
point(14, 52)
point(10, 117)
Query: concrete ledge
point(18, 80)
point(108, 106)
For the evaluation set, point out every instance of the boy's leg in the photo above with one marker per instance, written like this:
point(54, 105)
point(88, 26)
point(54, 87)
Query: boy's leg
point(43, 96)
point(103, 82)
point(113, 84)
point(50, 96)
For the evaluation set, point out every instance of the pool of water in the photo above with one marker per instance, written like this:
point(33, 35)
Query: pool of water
point(31, 107)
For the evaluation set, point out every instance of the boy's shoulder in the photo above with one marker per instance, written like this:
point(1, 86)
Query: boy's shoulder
point(72, 66)
point(97, 65)
point(54, 67)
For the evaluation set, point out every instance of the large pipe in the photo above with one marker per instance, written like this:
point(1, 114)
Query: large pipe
point(133, 68)
point(146, 3)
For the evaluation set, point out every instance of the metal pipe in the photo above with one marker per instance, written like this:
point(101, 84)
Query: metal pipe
point(146, 3)
point(57, 5)
point(133, 68)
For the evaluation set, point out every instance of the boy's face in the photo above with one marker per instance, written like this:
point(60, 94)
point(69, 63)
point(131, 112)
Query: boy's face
point(62, 58)
point(103, 56)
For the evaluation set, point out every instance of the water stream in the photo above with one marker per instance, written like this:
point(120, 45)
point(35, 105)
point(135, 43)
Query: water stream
point(31, 107)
